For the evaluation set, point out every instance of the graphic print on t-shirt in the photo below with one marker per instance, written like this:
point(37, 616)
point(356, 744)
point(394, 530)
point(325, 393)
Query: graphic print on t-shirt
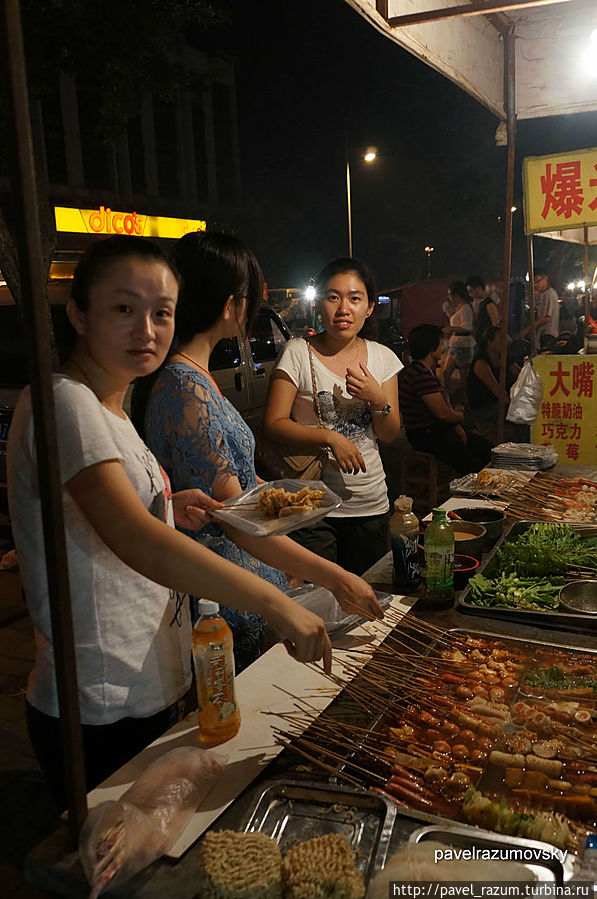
point(346, 416)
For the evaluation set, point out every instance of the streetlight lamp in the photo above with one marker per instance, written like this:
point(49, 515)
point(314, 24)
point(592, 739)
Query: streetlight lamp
point(368, 156)
point(429, 251)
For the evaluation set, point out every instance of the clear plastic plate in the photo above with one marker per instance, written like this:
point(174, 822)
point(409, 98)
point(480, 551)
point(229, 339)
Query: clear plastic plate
point(239, 512)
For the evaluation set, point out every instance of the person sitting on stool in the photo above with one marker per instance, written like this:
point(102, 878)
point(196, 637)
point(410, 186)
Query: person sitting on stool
point(432, 425)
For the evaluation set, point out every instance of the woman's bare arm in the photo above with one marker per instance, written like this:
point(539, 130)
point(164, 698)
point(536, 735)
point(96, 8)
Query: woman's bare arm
point(108, 500)
point(279, 426)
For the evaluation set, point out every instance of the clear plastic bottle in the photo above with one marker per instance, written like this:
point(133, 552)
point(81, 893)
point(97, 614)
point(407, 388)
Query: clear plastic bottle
point(404, 540)
point(218, 712)
point(439, 560)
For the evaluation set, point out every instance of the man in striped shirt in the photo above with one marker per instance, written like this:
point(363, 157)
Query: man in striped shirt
point(431, 424)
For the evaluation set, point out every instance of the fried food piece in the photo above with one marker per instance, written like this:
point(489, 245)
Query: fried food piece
point(274, 500)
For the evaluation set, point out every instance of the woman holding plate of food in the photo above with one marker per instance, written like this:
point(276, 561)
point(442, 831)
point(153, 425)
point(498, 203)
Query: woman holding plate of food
point(202, 441)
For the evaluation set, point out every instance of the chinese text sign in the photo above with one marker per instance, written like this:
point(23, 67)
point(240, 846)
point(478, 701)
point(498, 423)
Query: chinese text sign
point(568, 414)
point(560, 191)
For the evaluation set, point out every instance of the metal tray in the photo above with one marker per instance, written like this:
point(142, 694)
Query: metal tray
point(547, 863)
point(292, 811)
point(560, 618)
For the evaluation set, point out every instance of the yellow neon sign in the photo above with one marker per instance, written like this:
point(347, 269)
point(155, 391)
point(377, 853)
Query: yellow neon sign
point(107, 221)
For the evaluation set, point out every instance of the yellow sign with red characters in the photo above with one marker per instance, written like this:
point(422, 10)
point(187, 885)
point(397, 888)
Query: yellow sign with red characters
point(560, 191)
point(568, 415)
point(109, 221)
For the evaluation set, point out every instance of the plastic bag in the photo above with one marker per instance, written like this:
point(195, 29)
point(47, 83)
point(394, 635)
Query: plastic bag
point(120, 838)
point(525, 396)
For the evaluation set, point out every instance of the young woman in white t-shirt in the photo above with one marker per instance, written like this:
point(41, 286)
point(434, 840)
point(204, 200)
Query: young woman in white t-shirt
point(130, 571)
point(461, 341)
point(357, 390)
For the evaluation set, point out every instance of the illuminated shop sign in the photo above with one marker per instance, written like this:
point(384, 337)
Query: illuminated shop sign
point(110, 221)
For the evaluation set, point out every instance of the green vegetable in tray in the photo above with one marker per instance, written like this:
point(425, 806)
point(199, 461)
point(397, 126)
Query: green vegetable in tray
point(554, 677)
point(514, 592)
point(546, 549)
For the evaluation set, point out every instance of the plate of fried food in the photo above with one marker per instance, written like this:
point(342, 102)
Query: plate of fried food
point(278, 507)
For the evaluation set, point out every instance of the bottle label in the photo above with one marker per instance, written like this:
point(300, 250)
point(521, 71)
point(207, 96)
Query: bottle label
point(439, 564)
point(405, 551)
point(215, 681)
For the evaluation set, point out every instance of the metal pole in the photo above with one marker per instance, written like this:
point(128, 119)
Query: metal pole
point(349, 207)
point(587, 287)
point(510, 104)
point(34, 308)
point(531, 267)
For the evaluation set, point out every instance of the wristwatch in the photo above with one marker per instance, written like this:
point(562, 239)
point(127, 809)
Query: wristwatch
point(385, 410)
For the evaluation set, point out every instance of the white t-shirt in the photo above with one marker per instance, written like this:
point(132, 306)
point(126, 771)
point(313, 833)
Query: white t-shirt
point(341, 412)
point(462, 318)
point(132, 636)
point(547, 304)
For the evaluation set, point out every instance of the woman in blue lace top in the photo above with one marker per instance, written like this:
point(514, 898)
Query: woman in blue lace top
point(202, 441)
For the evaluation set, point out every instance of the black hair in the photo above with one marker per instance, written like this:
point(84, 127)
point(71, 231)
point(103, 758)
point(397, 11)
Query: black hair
point(98, 257)
point(214, 267)
point(340, 266)
point(475, 281)
point(103, 253)
point(458, 289)
point(539, 273)
point(423, 339)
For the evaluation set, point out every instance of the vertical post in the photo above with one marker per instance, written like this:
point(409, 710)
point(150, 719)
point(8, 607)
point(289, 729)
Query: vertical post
point(531, 267)
point(34, 309)
point(510, 104)
point(349, 207)
point(587, 288)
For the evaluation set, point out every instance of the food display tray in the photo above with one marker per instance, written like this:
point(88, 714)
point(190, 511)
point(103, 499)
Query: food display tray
point(291, 812)
point(560, 619)
point(238, 513)
point(549, 866)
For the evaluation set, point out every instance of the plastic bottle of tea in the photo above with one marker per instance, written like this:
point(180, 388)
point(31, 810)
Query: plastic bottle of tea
point(404, 540)
point(218, 712)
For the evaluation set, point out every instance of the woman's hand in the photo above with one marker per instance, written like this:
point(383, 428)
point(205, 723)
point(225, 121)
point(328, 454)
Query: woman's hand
point(345, 453)
point(356, 596)
point(191, 509)
point(362, 386)
point(303, 633)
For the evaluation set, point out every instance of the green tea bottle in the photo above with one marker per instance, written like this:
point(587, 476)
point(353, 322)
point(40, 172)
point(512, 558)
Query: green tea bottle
point(439, 560)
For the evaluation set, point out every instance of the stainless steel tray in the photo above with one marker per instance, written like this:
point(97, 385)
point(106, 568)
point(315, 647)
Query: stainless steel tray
point(292, 811)
point(547, 863)
point(560, 618)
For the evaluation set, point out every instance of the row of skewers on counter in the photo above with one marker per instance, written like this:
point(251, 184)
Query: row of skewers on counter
point(484, 731)
point(544, 497)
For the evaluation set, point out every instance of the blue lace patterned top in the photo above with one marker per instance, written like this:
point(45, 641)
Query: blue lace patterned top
point(198, 435)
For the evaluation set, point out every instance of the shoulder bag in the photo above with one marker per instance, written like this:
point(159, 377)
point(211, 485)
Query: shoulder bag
point(280, 461)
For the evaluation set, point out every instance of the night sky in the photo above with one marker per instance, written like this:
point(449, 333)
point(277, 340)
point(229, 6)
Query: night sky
point(313, 75)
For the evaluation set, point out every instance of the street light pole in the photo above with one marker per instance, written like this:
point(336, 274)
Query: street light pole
point(368, 156)
point(349, 206)
point(429, 251)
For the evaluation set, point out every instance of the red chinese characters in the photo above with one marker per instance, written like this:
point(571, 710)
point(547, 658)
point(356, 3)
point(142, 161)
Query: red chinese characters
point(562, 189)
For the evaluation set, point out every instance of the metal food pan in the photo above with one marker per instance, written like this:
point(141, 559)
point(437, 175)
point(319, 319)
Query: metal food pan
point(292, 812)
point(547, 863)
point(558, 619)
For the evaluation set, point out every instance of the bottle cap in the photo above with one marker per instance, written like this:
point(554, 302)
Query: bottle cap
point(403, 504)
point(208, 607)
point(438, 515)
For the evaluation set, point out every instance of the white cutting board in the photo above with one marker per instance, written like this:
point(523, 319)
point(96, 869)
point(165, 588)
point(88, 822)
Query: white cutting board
point(253, 747)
